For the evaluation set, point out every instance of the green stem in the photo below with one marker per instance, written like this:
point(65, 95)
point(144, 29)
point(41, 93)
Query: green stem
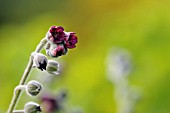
point(25, 76)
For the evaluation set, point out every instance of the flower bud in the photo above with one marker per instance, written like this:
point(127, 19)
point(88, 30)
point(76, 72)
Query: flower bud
point(52, 67)
point(55, 50)
point(32, 107)
point(40, 61)
point(33, 88)
point(59, 50)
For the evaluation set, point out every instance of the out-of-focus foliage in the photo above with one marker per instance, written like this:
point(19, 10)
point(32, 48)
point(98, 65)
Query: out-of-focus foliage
point(142, 27)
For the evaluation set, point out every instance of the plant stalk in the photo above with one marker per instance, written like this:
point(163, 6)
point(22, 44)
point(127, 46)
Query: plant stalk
point(25, 76)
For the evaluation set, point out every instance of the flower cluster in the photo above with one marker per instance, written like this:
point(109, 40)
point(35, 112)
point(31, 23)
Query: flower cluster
point(59, 41)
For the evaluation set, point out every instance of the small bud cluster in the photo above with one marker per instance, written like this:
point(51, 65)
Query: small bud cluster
point(41, 62)
point(59, 41)
point(33, 88)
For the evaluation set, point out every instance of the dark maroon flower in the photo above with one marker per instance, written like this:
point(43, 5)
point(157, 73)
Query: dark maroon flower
point(71, 41)
point(57, 34)
point(50, 104)
point(59, 51)
point(53, 103)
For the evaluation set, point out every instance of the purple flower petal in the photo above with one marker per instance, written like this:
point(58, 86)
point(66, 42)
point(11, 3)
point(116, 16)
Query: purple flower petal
point(72, 40)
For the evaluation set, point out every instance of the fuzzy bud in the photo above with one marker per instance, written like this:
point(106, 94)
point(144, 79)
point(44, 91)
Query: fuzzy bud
point(56, 50)
point(32, 107)
point(33, 88)
point(39, 61)
point(52, 67)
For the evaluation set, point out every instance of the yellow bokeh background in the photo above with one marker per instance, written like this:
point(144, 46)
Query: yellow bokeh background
point(142, 27)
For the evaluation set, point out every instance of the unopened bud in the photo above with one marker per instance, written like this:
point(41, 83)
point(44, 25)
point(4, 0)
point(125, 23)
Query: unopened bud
point(32, 107)
point(56, 50)
point(52, 67)
point(39, 61)
point(33, 88)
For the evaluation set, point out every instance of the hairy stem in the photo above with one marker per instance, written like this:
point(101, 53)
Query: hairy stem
point(18, 111)
point(25, 76)
point(20, 87)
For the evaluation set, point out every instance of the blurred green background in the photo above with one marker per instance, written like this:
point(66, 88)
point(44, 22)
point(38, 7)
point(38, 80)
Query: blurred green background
point(141, 26)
